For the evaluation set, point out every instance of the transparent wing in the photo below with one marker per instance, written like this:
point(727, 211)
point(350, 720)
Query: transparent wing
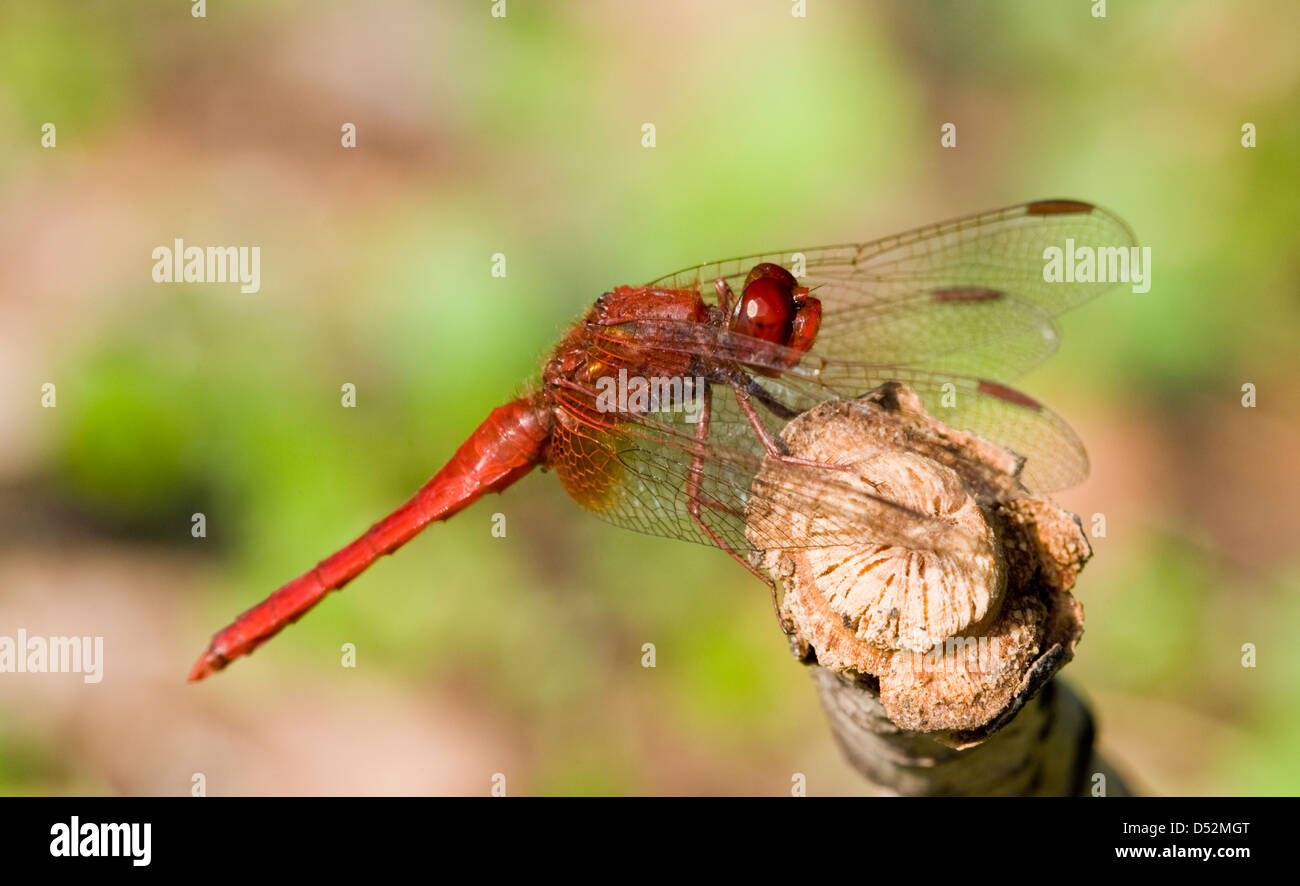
point(1054, 456)
point(648, 472)
point(966, 296)
point(945, 309)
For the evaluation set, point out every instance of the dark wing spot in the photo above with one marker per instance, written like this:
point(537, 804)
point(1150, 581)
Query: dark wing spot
point(966, 293)
point(1058, 207)
point(1011, 395)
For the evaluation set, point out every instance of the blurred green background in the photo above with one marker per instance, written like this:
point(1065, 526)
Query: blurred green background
point(475, 135)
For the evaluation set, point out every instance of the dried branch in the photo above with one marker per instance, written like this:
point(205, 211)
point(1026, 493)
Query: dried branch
point(935, 667)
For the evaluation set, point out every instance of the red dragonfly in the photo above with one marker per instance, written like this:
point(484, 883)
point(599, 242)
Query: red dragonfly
point(951, 310)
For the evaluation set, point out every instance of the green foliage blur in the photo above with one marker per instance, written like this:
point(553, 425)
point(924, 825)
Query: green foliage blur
point(522, 136)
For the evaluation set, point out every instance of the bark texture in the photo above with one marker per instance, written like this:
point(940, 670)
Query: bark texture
point(1045, 749)
point(935, 633)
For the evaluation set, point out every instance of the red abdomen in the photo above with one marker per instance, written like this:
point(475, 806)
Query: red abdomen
point(509, 443)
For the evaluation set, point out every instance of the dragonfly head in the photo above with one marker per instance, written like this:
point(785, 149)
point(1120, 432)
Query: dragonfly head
point(774, 308)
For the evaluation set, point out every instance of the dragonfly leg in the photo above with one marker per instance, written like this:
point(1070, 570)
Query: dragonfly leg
point(725, 295)
point(694, 498)
point(773, 447)
point(765, 399)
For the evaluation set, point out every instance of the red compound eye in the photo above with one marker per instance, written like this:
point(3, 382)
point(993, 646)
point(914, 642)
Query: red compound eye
point(776, 272)
point(766, 308)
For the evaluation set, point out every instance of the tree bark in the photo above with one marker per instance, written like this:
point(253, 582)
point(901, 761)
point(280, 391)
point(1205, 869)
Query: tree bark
point(1045, 750)
point(935, 611)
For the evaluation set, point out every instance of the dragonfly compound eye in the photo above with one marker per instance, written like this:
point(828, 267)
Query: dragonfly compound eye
point(775, 271)
point(766, 308)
